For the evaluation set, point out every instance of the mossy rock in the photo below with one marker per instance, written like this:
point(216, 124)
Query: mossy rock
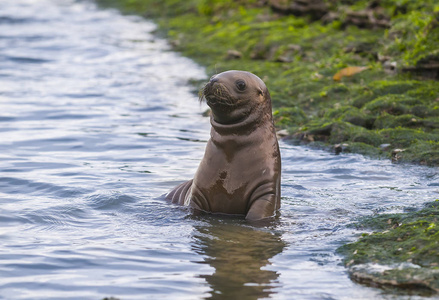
point(337, 90)
point(359, 118)
point(342, 132)
point(360, 100)
point(287, 116)
point(390, 121)
point(381, 88)
point(364, 149)
point(415, 33)
point(405, 137)
point(417, 241)
point(340, 112)
point(369, 137)
point(381, 222)
point(320, 127)
point(427, 92)
point(421, 111)
point(405, 254)
point(431, 122)
point(391, 104)
point(405, 276)
point(423, 152)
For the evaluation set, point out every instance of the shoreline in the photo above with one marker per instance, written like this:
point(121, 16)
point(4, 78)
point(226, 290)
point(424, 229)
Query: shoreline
point(339, 78)
point(358, 78)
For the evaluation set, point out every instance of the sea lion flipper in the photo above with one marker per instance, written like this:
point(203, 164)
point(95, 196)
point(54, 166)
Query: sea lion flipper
point(262, 208)
point(178, 195)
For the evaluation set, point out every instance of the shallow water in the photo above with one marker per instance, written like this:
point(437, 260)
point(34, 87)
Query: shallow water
point(97, 121)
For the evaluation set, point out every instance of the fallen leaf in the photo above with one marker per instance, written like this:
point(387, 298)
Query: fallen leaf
point(349, 71)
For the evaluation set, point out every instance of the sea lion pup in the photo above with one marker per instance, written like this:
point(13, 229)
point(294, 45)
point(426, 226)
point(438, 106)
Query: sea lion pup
point(240, 171)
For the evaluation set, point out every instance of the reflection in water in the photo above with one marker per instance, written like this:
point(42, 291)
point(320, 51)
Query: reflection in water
point(238, 253)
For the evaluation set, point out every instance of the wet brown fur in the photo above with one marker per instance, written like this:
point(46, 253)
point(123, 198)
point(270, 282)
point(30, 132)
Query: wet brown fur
point(240, 170)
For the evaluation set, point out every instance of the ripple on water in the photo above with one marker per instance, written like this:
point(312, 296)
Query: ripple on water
point(109, 200)
point(12, 185)
point(27, 60)
point(6, 119)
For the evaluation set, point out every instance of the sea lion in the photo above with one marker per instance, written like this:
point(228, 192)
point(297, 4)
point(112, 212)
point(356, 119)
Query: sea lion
point(241, 168)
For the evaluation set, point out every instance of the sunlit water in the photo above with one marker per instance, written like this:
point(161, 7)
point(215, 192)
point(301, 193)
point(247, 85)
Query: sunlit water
point(97, 121)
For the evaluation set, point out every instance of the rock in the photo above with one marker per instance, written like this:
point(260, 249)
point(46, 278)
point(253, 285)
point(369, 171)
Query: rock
point(429, 71)
point(288, 55)
point(308, 138)
point(294, 47)
point(260, 51)
point(339, 148)
point(383, 58)
point(361, 48)
point(263, 52)
point(316, 9)
point(396, 154)
point(372, 17)
point(282, 133)
point(396, 151)
point(233, 54)
point(390, 67)
point(330, 17)
point(304, 137)
point(405, 275)
point(316, 76)
point(284, 59)
point(367, 18)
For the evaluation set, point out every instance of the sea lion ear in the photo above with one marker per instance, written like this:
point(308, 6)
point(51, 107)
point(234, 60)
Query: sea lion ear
point(260, 91)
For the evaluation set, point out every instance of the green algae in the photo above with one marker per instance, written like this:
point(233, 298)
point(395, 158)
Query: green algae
point(297, 57)
point(404, 246)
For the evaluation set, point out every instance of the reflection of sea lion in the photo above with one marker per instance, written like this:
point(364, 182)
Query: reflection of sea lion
point(240, 171)
point(241, 258)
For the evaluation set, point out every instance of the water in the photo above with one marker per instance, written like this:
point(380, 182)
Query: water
point(97, 121)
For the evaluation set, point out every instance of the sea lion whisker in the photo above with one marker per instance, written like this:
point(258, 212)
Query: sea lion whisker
point(201, 92)
point(225, 100)
point(201, 97)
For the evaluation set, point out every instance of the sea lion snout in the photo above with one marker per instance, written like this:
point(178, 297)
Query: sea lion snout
point(216, 93)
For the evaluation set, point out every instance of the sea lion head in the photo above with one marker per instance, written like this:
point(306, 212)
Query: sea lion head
point(234, 95)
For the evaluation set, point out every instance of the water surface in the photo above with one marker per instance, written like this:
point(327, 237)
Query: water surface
point(98, 120)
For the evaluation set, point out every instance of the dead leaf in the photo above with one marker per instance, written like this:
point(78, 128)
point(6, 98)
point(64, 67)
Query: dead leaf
point(349, 71)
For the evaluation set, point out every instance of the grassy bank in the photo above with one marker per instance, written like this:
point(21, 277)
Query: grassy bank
point(393, 103)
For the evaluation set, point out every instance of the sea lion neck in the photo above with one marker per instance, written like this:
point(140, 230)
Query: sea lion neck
point(249, 122)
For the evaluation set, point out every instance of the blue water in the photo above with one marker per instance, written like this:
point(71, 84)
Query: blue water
point(98, 120)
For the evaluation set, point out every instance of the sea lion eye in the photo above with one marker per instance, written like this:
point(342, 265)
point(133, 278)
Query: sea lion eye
point(240, 84)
